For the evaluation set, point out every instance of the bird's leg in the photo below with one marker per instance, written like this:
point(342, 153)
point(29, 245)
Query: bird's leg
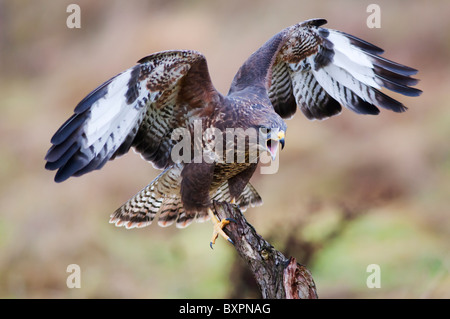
point(218, 228)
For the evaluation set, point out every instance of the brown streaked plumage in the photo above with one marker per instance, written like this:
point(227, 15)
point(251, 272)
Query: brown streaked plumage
point(305, 65)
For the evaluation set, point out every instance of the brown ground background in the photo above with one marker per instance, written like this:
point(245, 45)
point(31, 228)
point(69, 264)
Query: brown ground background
point(351, 191)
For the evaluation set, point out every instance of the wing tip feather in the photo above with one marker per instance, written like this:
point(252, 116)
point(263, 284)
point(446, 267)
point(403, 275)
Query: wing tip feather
point(315, 22)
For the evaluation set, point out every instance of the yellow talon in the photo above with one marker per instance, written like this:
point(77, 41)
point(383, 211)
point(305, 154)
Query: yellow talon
point(218, 228)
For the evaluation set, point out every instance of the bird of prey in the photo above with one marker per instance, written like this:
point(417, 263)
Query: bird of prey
point(306, 65)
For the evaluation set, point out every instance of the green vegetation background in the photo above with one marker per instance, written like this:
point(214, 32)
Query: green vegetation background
point(350, 191)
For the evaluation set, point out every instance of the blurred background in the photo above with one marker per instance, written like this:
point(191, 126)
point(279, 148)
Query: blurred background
point(350, 191)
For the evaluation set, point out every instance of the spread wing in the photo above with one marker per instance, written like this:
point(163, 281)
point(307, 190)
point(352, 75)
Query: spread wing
point(321, 70)
point(138, 108)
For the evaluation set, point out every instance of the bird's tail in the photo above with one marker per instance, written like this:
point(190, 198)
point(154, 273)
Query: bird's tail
point(162, 196)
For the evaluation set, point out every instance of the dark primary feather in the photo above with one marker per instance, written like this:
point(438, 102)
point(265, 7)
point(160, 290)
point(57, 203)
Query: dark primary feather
point(65, 153)
point(360, 43)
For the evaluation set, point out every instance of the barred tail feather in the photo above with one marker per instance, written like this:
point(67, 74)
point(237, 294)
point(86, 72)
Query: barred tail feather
point(161, 195)
point(171, 208)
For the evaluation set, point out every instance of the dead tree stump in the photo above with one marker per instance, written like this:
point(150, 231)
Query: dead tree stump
point(277, 277)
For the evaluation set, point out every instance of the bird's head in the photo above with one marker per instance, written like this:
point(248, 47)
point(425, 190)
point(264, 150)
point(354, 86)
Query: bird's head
point(272, 138)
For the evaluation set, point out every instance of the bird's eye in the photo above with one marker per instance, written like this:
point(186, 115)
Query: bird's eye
point(264, 131)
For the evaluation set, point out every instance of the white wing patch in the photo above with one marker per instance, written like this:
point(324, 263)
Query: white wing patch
point(342, 44)
point(111, 116)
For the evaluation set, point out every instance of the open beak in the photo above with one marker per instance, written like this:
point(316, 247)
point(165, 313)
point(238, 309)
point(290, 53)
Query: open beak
point(273, 142)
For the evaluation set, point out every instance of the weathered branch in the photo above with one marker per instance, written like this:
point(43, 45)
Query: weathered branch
point(277, 277)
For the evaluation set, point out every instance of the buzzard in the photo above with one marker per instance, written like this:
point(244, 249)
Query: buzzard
point(305, 65)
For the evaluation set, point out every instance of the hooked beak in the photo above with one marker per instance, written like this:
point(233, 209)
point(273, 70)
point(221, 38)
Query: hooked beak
point(281, 139)
point(272, 144)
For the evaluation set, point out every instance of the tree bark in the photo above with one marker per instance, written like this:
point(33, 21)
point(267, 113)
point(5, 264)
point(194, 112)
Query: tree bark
point(277, 277)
